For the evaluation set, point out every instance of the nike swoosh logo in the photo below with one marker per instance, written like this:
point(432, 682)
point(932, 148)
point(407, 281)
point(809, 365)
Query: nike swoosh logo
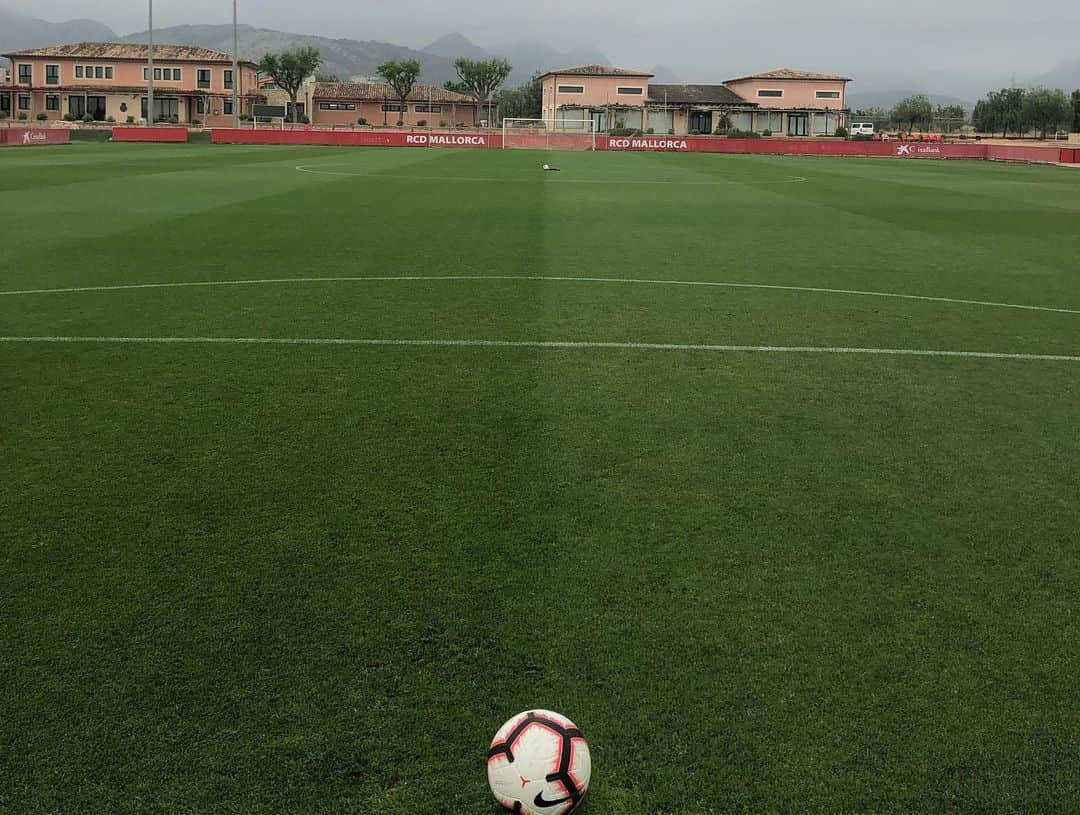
point(541, 802)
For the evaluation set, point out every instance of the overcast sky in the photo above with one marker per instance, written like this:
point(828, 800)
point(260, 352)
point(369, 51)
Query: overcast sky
point(934, 44)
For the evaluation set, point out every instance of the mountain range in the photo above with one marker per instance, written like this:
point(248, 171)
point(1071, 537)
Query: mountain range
point(348, 58)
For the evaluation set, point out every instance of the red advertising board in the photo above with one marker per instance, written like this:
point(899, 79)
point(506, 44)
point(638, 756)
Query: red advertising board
point(357, 138)
point(151, 134)
point(673, 144)
point(31, 136)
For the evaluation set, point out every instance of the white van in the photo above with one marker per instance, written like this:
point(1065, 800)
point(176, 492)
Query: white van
point(862, 128)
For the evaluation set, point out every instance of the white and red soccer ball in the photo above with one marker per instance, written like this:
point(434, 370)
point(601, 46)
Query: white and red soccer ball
point(538, 764)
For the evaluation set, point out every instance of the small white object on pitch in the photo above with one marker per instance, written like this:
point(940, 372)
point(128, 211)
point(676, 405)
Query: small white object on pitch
point(539, 764)
point(546, 167)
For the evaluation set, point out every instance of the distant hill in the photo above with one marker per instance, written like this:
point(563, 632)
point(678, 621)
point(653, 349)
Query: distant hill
point(452, 46)
point(343, 57)
point(663, 75)
point(18, 32)
point(1065, 75)
point(527, 57)
point(862, 100)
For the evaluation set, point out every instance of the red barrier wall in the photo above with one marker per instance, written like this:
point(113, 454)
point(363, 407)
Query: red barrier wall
point(677, 144)
point(1008, 152)
point(152, 134)
point(30, 136)
point(357, 138)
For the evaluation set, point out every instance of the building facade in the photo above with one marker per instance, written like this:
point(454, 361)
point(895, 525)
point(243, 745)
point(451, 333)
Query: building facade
point(345, 103)
point(784, 102)
point(109, 80)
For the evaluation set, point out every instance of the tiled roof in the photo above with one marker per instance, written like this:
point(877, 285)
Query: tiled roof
point(596, 70)
point(792, 73)
point(136, 51)
point(695, 95)
point(378, 91)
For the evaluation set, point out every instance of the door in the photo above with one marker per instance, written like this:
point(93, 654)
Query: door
point(797, 124)
point(701, 121)
point(598, 121)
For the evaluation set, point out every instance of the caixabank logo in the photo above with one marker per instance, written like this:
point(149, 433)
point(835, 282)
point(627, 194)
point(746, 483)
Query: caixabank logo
point(31, 136)
point(915, 150)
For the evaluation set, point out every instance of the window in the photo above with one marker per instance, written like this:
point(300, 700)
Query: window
point(630, 91)
point(200, 104)
point(227, 107)
point(108, 72)
point(338, 106)
point(77, 106)
point(203, 78)
point(228, 79)
point(79, 71)
point(429, 108)
point(163, 108)
point(176, 74)
point(157, 74)
point(52, 102)
point(52, 74)
point(24, 102)
point(5, 103)
point(770, 94)
point(393, 108)
point(99, 72)
point(571, 89)
point(26, 74)
point(826, 94)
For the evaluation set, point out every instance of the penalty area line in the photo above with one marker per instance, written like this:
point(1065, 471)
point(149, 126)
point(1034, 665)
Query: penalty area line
point(550, 344)
point(716, 284)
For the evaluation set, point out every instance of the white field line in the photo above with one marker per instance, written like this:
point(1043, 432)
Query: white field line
point(302, 168)
point(547, 344)
point(537, 278)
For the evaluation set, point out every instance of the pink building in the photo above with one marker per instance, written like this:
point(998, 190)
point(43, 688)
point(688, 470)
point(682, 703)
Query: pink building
point(110, 80)
point(784, 101)
point(345, 103)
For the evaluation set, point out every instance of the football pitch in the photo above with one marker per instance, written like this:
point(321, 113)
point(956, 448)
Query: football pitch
point(319, 464)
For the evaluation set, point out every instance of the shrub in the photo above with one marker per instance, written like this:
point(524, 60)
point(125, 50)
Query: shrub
point(442, 122)
point(174, 120)
point(110, 120)
point(361, 121)
point(841, 132)
point(196, 122)
point(650, 131)
point(244, 117)
point(87, 118)
point(42, 117)
point(23, 117)
point(735, 133)
point(862, 137)
point(460, 125)
point(623, 131)
point(3, 116)
point(69, 117)
point(422, 123)
point(766, 132)
point(671, 131)
point(692, 132)
point(401, 123)
point(131, 120)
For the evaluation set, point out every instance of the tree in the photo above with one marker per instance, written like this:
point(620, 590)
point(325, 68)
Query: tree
point(949, 117)
point(482, 77)
point(289, 69)
point(915, 111)
point(1076, 111)
point(523, 102)
point(1046, 110)
point(327, 78)
point(402, 76)
point(456, 86)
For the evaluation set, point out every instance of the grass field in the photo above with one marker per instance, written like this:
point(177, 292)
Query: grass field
point(316, 578)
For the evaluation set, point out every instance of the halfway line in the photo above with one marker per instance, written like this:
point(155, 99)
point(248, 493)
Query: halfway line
point(548, 344)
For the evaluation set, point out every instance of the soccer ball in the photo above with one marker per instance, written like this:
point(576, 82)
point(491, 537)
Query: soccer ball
point(546, 167)
point(538, 764)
